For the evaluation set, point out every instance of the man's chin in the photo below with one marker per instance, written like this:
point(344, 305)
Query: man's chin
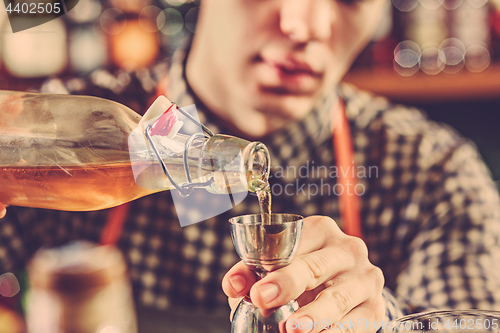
point(289, 106)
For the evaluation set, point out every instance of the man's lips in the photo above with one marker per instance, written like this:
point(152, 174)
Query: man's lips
point(290, 67)
point(287, 75)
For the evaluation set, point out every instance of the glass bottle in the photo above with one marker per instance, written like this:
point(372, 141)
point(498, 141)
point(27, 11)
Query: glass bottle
point(82, 153)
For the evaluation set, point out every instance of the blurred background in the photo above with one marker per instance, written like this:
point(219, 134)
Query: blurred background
point(440, 55)
point(444, 57)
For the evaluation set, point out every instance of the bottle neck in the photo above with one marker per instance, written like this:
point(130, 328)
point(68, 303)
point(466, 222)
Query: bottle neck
point(221, 164)
point(236, 165)
point(257, 165)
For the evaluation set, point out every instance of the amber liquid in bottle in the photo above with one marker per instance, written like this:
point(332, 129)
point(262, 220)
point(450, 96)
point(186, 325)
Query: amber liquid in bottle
point(77, 188)
point(81, 153)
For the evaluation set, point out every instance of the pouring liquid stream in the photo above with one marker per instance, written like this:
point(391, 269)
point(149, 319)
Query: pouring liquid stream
point(264, 196)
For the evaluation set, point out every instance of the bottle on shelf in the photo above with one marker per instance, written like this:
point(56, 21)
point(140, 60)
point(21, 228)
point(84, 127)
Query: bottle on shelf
point(81, 153)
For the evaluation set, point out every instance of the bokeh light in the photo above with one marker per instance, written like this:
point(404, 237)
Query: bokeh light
point(477, 3)
point(175, 2)
point(406, 58)
point(432, 60)
point(113, 21)
point(85, 11)
point(9, 285)
point(88, 50)
point(148, 18)
point(428, 23)
point(477, 58)
point(431, 4)
point(454, 53)
point(171, 21)
point(405, 5)
point(134, 47)
point(36, 52)
point(129, 6)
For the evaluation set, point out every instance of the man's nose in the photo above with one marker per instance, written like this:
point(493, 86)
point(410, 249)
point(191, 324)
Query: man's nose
point(304, 20)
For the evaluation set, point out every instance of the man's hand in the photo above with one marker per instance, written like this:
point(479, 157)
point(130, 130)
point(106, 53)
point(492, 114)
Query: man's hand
point(3, 210)
point(331, 278)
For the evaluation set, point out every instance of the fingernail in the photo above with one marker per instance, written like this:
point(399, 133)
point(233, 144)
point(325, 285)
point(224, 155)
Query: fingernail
point(238, 283)
point(268, 292)
point(3, 212)
point(302, 324)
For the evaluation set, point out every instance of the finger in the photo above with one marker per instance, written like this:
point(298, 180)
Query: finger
point(336, 301)
point(366, 318)
point(238, 280)
point(308, 272)
point(317, 231)
point(3, 210)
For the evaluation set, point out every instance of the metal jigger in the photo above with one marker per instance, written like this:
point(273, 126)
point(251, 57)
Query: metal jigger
point(264, 248)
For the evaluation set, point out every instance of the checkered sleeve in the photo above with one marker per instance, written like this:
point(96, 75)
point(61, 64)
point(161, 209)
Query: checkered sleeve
point(453, 252)
point(394, 308)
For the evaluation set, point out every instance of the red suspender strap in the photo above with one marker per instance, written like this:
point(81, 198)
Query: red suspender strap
point(114, 224)
point(344, 155)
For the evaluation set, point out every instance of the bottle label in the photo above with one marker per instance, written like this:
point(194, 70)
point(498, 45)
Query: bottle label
point(163, 125)
point(166, 122)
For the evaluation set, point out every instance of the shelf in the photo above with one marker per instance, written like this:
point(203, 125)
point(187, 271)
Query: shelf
point(421, 87)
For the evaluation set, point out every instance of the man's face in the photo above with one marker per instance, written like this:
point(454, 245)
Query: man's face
point(279, 56)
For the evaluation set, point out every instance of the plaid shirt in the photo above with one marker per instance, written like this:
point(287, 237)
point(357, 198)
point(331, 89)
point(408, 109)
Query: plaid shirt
point(430, 211)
